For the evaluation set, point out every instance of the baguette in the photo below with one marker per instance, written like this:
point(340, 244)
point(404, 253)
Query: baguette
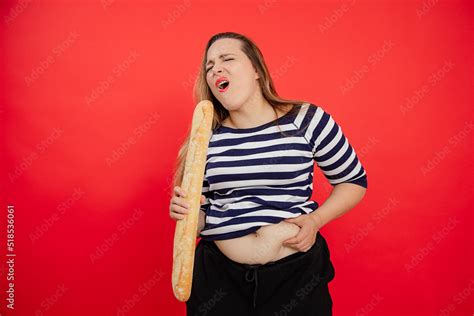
point(193, 177)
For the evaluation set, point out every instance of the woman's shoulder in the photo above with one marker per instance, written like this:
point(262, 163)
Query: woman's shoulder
point(303, 108)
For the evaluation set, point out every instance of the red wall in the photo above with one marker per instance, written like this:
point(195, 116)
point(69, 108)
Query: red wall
point(96, 99)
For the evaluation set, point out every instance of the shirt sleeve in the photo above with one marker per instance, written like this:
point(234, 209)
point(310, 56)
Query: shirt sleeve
point(332, 151)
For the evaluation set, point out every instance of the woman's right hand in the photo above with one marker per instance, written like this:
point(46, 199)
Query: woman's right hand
point(179, 207)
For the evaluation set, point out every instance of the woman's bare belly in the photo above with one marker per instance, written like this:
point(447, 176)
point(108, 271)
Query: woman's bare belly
point(261, 247)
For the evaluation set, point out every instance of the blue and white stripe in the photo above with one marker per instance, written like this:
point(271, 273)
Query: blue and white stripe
point(257, 176)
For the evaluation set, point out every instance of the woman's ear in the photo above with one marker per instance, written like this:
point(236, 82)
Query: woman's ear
point(256, 74)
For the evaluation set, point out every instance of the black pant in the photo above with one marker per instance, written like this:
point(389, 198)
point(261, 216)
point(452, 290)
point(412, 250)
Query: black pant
point(294, 285)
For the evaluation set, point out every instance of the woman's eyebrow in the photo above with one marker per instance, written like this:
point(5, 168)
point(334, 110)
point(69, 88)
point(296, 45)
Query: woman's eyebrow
point(220, 56)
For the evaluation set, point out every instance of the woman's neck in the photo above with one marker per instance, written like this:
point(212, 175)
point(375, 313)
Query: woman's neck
point(255, 112)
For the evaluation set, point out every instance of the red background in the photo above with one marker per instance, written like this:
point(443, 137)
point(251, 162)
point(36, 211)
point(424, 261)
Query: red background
point(83, 80)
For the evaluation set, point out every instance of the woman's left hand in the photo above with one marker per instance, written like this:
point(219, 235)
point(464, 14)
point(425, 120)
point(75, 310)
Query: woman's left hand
point(306, 237)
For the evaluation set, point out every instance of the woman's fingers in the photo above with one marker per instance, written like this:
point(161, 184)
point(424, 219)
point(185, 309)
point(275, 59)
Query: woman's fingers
point(178, 212)
point(180, 202)
point(178, 216)
point(179, 207)
point(179, 191)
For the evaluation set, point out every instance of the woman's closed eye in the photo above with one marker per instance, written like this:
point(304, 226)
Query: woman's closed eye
point(224, 60)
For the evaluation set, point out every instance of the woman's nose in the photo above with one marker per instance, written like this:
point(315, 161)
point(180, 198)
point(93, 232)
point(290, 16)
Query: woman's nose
point(217, 69)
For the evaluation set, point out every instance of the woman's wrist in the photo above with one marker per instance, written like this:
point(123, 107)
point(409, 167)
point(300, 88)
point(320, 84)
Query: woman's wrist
point(317, 219)
point(201, 221)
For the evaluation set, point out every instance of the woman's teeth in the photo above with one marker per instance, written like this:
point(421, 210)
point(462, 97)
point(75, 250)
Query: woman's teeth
point(223, 84)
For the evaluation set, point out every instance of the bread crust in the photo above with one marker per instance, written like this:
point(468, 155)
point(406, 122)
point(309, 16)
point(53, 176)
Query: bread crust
point(193, 177)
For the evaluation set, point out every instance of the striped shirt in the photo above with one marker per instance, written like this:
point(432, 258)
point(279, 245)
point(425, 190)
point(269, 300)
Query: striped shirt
point(257, 176)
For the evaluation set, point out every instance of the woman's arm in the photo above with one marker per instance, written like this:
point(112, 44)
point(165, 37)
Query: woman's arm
point(339, 163)
point(343, 198)
point(201, 222)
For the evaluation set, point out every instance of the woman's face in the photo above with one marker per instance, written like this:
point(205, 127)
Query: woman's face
point(225, 61)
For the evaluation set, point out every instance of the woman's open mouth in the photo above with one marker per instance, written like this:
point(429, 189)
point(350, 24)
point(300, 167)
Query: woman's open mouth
point(223, 86)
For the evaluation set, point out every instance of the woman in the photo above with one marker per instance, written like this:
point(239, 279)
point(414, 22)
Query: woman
point(261, 252)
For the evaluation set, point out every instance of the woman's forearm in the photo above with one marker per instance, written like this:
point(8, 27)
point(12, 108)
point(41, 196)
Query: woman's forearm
point(201, 222)
point(343, 197)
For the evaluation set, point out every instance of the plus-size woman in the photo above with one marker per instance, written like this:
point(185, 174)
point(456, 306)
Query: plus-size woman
point(261, 251)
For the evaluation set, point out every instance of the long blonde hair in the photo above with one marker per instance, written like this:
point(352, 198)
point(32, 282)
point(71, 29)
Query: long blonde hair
point(202, 91)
